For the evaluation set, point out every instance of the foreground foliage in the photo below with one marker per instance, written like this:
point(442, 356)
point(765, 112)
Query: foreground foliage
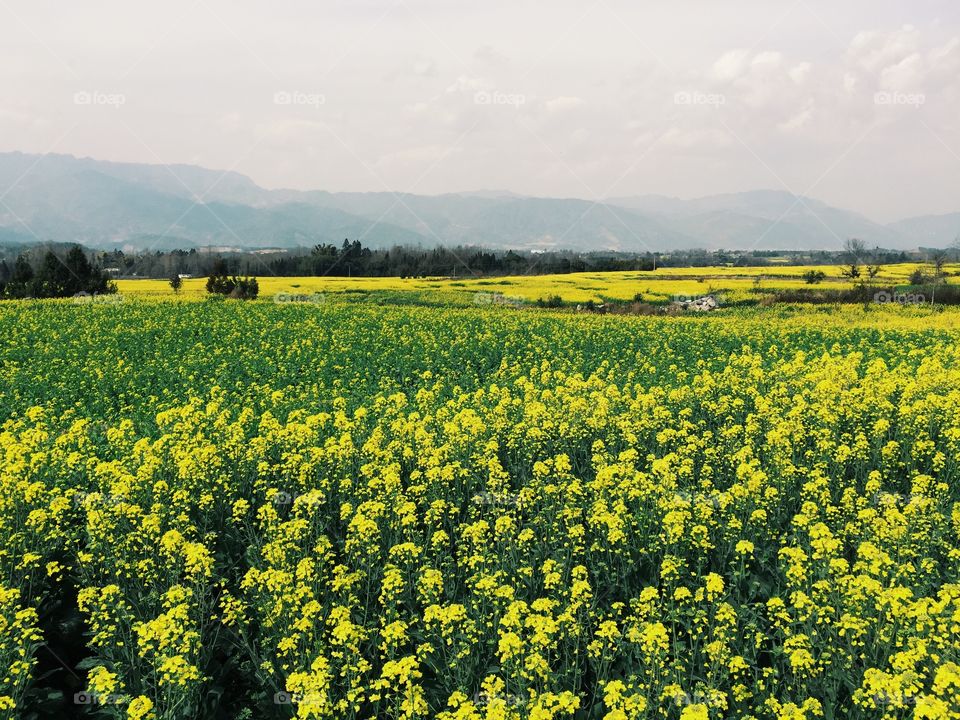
point(335, 511)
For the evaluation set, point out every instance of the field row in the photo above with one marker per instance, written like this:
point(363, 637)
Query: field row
point(662, 285)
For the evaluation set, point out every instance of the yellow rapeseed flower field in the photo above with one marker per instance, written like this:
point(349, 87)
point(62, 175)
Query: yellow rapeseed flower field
point(664, 284)
point(342, 509)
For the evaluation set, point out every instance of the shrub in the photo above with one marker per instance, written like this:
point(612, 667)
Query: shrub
point(552, 301)
point(918, 277)
point(246, 288)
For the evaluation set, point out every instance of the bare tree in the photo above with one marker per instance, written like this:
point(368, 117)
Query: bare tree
point(853, 249)
point(938, 258)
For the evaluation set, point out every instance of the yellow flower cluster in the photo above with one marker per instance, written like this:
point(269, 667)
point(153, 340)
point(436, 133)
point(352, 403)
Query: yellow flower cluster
point(358, 512)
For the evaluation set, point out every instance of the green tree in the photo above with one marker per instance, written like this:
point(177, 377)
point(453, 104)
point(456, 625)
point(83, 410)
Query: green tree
point(78, 274)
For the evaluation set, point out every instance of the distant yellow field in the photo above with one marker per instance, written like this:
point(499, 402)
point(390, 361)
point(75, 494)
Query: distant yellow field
point(657, 286)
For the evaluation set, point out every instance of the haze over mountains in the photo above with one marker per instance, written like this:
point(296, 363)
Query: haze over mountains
point(137, 206)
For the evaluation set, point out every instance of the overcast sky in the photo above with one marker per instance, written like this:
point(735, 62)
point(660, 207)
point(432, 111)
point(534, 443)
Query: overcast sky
point(855, 102)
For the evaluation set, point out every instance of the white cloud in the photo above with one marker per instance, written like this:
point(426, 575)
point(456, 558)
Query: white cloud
point(730, 65)
point(800, 72)
point(766, 61)
point(946, 58)
point(874, 50)
point(902, 60)
point(466, 84)
point(401, 82)
point(908, 74)
point(797, 121)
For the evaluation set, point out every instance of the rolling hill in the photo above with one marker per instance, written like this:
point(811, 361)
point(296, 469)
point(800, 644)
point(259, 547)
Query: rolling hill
point(62, 198)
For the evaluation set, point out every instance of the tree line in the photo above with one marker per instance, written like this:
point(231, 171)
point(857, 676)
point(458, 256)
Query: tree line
point(54, 275)
point(353, 259)
point(61, 270)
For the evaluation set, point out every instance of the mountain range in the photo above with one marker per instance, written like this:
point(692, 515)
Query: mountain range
point(131, 206)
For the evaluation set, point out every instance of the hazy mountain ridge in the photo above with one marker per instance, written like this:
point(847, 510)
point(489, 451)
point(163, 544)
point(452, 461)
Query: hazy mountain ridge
point(766, 219)
point(931, 230)
point(103, 204)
